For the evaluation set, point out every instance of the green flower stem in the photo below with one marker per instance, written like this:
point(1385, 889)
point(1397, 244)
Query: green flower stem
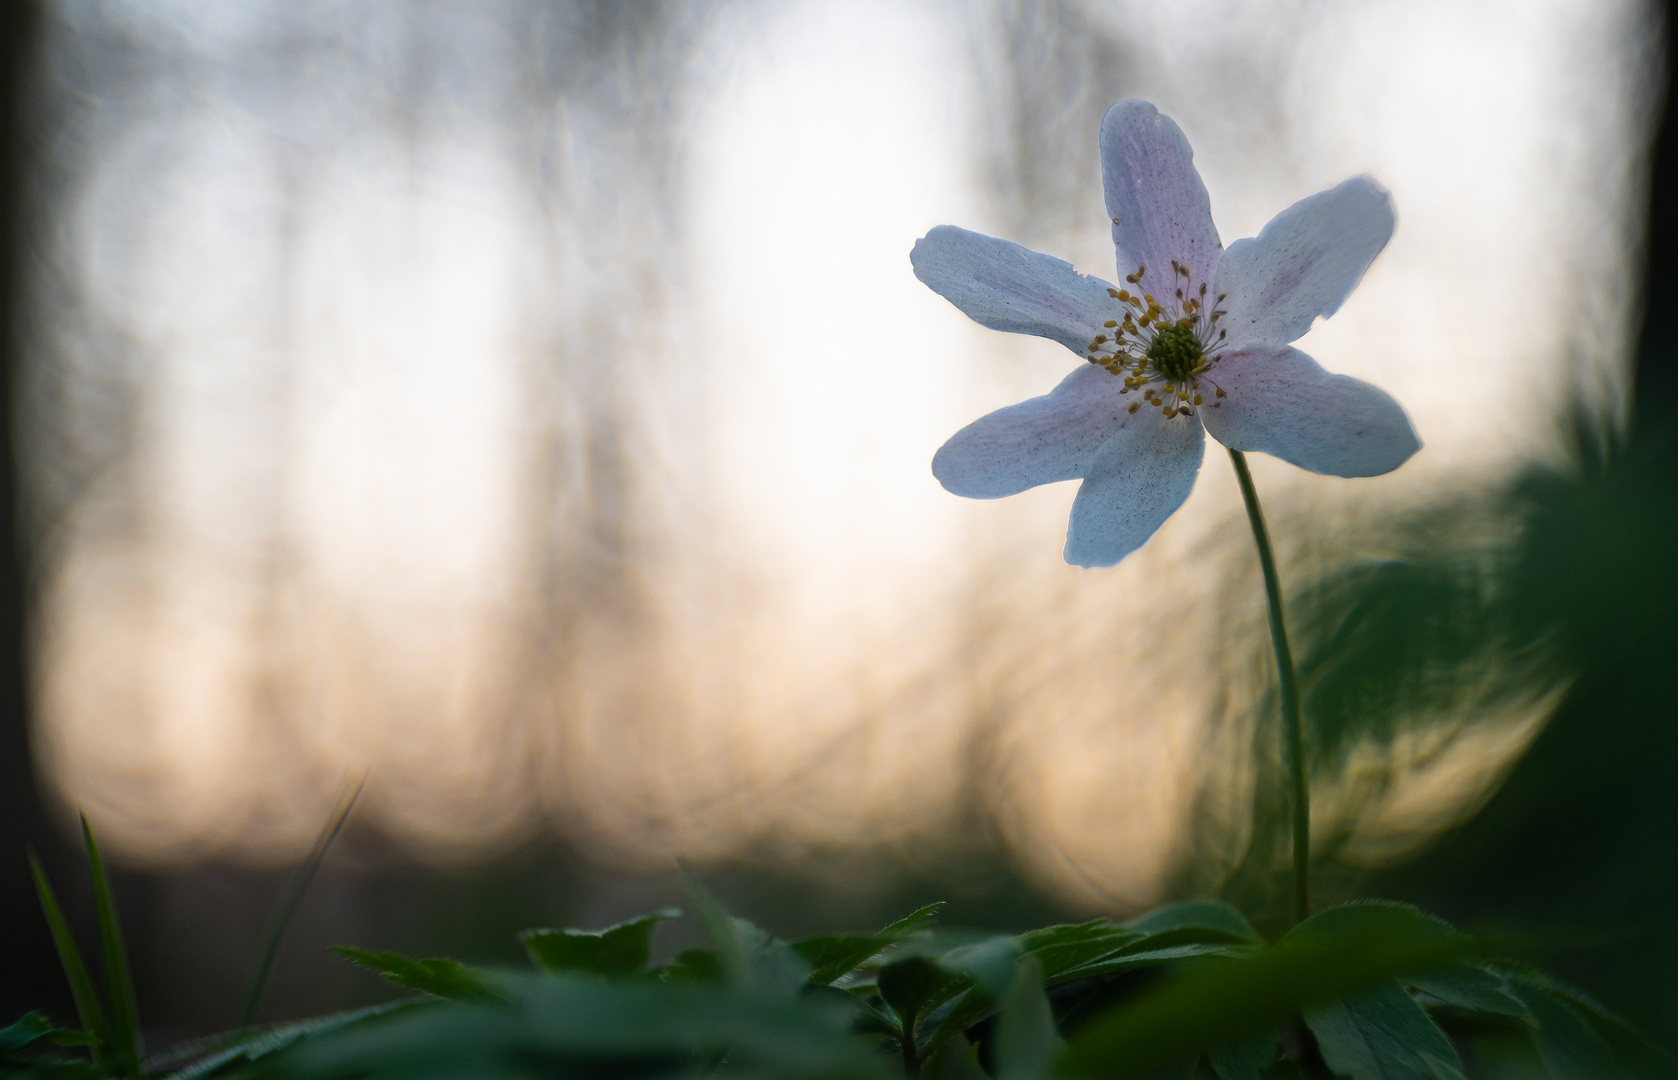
point(1292, 729)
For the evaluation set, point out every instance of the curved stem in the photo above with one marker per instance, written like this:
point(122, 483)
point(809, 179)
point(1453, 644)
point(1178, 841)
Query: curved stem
point(1288, 680)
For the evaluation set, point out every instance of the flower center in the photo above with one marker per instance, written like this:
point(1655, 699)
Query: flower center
point(1167, 350)
point(1175, 352)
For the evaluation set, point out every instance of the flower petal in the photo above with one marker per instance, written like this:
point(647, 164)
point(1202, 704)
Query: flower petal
point(1004, 286)
point(1159, 207)
point(1283, 403)
point(1140, 477)
point(1039, 441)
point(1304, 263)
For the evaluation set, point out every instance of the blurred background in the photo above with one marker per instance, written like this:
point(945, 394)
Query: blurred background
point(528, 406)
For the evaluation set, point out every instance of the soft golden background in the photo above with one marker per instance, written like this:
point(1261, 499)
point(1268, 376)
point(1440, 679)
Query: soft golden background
point(531, 405)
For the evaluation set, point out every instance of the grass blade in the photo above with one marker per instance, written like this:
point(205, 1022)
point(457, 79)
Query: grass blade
point(279, 919)
point(70, 957)
point(119, 981)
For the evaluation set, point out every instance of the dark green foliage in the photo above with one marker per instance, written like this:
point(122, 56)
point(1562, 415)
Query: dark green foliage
point(1382, 1034)
point(694, 966)
point(833, 955)
point(124, 1031)
point(915, 986)
point(1212, 1000)
point(1027, 1042)
point(34, 1046)
point(618, 950)
point(75, 972)
point(565, 1026)
point(1196, 920)
point(446, 979)
point(1571, 1047)
point(1244, 1059)
point(1474, 989)
point(241, 1047)
point(1057, 1003)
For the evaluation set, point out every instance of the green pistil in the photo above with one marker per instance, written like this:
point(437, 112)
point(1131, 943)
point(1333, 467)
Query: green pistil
point(1175, 352)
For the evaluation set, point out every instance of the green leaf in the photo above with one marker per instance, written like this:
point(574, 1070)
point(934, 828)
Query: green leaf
point(1244, 1059)
point(119, 982)
point(1026, 1040)
point(992, 964)
point(1211, 1000)
point(1131, 961)
point(564, 1026)
point(204, 1057)
point(832, 956)
point(70, 958)
point(915, 986)
point(1210, 920)
point(723, 930)
point(957, 1059)
point(913, 921)
point(1567, 1044)
point(1401, 925)
point(991, 967)
point(694, 967)
point(446, 979)
point(1382, 1034)
point(1063, 948)
point(34, 1027)
point(617, 951)
point(1473, 988)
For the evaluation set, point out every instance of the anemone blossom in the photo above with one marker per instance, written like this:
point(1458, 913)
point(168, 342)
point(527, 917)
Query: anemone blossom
point(1196, 342)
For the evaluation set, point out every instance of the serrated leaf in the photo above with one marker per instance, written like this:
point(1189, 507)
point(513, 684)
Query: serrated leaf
point(614, 952)
point(207, 1057)
point(1398, 924)
point(913, 921)
point(442, 978)
point(832, 956)
point(1210, 1000)
point(1382, 1034)
point(1473, 988)
point(1244, 1059)
point(1214, 921)
point(1062, 948)
point(1567, 1044)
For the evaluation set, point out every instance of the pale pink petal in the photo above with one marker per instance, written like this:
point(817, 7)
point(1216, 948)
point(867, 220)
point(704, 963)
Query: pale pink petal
point(999, 284)
point(1159, 207)
point(1281, 402)
point(1039, 441)
point(1303, 264)
point(1139, 478)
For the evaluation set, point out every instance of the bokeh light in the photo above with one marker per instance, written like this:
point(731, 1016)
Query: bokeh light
point(532, 405)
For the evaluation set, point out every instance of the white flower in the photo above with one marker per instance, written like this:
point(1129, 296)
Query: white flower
point(1199, 336)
